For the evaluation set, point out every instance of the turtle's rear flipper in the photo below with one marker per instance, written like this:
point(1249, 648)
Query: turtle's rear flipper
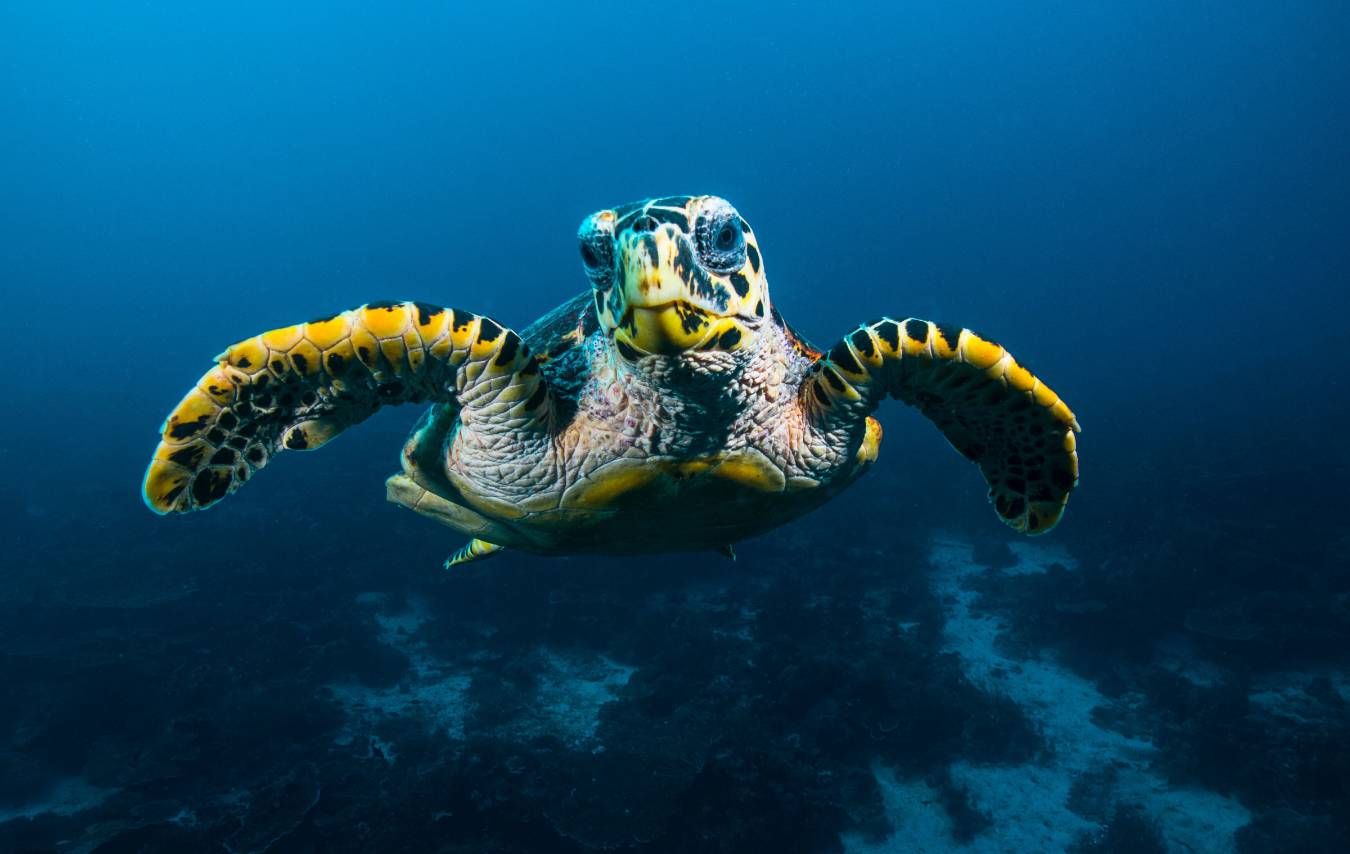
point(989, 407)
point(298, 387)
point(474, 549)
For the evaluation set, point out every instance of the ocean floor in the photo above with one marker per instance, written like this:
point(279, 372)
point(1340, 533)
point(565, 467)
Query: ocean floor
point(1032, 805)
point(959, 695)
point(570, 689)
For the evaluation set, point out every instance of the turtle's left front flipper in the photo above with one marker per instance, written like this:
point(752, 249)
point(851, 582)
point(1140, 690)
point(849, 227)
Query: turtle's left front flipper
point(297, 387)
point(989, 407)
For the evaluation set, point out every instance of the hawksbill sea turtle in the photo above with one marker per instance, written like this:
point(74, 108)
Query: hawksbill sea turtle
point(670, 407)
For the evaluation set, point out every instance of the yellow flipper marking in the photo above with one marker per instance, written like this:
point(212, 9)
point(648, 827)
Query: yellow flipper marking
point(474, 549)
point(992, 410)
point(299, 386)
point(870, 446)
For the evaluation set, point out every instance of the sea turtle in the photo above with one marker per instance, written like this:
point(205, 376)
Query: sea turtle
point(670, 407)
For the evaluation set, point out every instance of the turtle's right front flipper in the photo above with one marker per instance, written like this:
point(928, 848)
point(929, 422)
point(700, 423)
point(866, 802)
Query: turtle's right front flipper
point(991, 409)
point(300, 386)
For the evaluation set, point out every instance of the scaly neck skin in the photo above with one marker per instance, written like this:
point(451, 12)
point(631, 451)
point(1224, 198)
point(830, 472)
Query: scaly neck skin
point(692, 404)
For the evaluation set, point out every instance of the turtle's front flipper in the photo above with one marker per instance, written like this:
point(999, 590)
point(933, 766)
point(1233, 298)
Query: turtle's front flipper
point(300, 386)
point(989, 407)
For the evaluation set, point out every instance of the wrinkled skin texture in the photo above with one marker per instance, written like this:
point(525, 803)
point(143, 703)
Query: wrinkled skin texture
point(660, 453)
point(685, 413)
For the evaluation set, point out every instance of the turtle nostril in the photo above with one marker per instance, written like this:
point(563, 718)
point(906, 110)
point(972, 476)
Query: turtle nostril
point(644, 223)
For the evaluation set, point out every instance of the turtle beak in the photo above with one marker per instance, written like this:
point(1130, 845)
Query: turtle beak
point(671, 329)
point(671, 304)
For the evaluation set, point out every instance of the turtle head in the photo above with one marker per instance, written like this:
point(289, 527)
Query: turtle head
point(675, 275)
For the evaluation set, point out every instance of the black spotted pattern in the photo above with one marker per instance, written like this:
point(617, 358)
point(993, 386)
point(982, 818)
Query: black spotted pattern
point(488, 330)
point(696, 279)
point(1018, 444)
point(889, 332)
point(917, 330)
point(843, 357)
point(299, 403)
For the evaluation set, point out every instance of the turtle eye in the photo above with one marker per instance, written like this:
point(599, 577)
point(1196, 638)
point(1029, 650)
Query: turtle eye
point(725, 239)
point(597, 254)
point(721, 242)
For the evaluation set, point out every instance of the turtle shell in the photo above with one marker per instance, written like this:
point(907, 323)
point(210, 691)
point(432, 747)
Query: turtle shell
point(563, 327)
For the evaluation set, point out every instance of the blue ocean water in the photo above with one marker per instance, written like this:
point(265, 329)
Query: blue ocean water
point(1148, 203)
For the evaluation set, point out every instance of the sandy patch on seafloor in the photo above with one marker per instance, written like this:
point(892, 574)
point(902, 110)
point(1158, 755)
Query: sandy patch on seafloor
point(571, 689)
point(1029, 804)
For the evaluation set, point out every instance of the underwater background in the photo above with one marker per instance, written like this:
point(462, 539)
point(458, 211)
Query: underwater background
point(1148, 203)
